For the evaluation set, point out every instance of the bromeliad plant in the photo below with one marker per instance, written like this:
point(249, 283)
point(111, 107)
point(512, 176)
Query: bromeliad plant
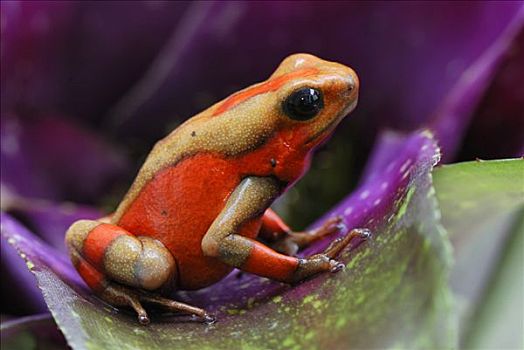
point(448, 80)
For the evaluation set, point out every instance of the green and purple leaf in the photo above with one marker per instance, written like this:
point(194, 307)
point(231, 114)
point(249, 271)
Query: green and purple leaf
point(406, 263)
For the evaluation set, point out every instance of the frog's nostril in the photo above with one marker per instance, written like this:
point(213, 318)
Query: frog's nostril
point(350, 88)
point(351, 83)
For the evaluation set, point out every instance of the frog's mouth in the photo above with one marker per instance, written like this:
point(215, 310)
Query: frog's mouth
point(323, 134)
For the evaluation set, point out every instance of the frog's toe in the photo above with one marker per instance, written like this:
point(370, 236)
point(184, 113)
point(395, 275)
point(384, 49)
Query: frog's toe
point(143, 319)
point(364, 233)
point(337, 267)
point(209, 319)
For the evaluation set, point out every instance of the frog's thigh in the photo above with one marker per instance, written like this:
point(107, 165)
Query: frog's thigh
point(100, 251)
point(249, 200)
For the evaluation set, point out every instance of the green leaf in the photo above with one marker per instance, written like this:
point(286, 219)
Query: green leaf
point(470, 192)
point(482, 206)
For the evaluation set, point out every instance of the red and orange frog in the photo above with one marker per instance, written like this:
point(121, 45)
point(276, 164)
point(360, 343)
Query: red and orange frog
point(201, 200)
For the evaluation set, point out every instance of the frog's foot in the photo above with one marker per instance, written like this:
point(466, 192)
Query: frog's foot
point(292, 242)
point(340, 243)
point(326, 261)
point(123, 296)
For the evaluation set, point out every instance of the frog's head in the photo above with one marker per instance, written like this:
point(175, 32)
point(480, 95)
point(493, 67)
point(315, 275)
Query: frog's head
point(314, 98)
point(299, 106)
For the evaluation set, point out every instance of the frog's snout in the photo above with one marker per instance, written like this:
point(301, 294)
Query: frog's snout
point(352, 82)
point(352, 87)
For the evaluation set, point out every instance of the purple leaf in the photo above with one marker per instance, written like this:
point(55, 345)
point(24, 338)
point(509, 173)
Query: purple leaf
point(453, 115)
point(37, 254)
point(49, 221)
point(22, 285)
point(395, 163)
point(32, 35)
point(77, 58)
point(51, 158)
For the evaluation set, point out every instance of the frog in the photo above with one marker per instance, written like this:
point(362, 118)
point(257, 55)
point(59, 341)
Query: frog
point(200, 205)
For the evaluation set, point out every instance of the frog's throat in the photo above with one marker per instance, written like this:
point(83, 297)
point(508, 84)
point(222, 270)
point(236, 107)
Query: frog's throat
point(321, 135)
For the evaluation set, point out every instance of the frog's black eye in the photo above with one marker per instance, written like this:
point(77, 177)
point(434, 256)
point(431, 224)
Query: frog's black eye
point(303, 104)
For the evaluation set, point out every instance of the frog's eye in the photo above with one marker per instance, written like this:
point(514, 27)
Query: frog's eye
point(303, 104)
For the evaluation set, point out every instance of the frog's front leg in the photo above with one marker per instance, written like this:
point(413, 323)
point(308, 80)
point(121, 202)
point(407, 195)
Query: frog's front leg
point(250, 200)
point(125, 270)
point(281, 238)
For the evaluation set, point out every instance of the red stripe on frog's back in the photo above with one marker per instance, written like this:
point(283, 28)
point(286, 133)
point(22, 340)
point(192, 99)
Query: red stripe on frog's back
point(267, 86)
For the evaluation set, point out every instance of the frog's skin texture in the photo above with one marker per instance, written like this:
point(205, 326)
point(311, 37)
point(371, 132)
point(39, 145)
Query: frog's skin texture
point(201, 199)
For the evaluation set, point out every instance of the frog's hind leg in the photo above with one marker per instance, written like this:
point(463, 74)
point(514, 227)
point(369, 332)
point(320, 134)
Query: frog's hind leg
point(124, 270)
point(140, 262)
point(119, 295)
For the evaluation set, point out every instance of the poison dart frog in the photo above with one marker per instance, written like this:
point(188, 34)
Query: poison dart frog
point(200, 204)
